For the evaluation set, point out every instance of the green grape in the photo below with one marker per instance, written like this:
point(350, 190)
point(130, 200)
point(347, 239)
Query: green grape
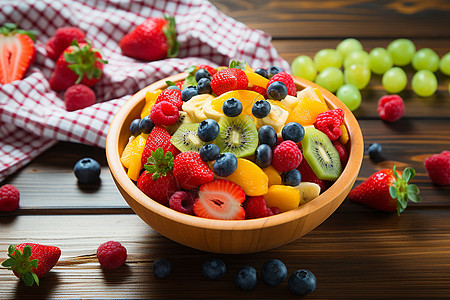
point(444, 65)
point(350, 95)
point(330, 78)
point(327, 58)
point(303, 66)
point(348, 45)
point(402, 51)
point(380, 60)
point(358, 75)
point(426, 59)
point(357, 58)
point(424, 83)
point(394, 80)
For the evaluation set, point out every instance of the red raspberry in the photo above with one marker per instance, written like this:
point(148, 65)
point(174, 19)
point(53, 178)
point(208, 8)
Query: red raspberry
point(9, 198)
point(62, 39)
point(275, 210)
point(343, 153)
point(391, 108)
point(329, 121)
point(287, 80)
point(79, 96)
point(171, 95)
point(164, 113)
point(183, 202)
point(256, 207)
point(286, 156)
point(438, 168)
point(111, 255)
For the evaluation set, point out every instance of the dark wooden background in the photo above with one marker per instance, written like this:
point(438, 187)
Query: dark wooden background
point(357, 253)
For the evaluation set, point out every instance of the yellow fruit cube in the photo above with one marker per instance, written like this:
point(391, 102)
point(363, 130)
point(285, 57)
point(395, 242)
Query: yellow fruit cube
point(150, 99)
point(250, 177)
point(126, 154)
point(135, 159)
point(282, 196)
point(273, 175)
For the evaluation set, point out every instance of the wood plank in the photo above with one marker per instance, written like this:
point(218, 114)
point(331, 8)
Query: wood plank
point(368, 255)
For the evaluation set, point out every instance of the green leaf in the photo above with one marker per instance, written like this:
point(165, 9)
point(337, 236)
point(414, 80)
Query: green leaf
point(412, 189)
point(170, 83)
point(8, 263)
point(394, 171)
point(393, 192)
point(155, 176)
point(34, 263)
point(237, 64)
point(28, 279)
point(11, 249)
point(36, 278)
point(27, 251)
point(190, 80)
point(414, 198)
point(408, 174)
point(191, 70)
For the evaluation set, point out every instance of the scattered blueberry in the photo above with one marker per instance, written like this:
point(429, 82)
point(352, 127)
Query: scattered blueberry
point(277, 90)
point(225, 164)
point(374, 151)
point(273, 272)
point(134, 127)
point(87, 170)
point(204, 86)
point(202, 73)
point(209, 152)
point(263, 155)
point(292, 177)
point(188, 92)
point(274, 70)
point(245, 278)
point(293, 131)
point(173, 87)
point(162, 267)
point(146, 125)
point(208, 130)
point(302, 282)
point(232, 107)
point(267, 135)
point(262, 72)
point(214, 268)
point(261, 109)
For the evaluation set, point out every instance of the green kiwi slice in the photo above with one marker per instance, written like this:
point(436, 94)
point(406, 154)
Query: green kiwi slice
point(321, 155)
point(186, 138)
point(238, 135)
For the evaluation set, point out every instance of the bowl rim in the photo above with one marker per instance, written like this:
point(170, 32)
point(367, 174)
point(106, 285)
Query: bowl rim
point(350, 171)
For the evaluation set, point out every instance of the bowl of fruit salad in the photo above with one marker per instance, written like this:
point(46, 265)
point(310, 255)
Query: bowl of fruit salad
point(234, 160)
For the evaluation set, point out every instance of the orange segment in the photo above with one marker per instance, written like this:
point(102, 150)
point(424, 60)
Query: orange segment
point(257, 79)
point(247, 99)
point(126, 154)
point(306, 111)
point(344, 136)
point(250, 177)
point(273, 175)
point(150, 99)
point(282, 196)
point(135, 159)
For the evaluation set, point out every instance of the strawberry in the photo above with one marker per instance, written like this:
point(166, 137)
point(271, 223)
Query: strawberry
point(159, 137)
point(157, 181)
point(16, 52)
point(30, 262)
point(229, 79)
point(190, 170)
point(210, 69)
point(308, 175)
point(220, 199)
point(386, 190)
point(62, 39)
point(79, 63)
point(171, 95)
point(154, 39)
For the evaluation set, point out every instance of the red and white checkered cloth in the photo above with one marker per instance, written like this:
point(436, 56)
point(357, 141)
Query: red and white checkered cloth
point(33, 117)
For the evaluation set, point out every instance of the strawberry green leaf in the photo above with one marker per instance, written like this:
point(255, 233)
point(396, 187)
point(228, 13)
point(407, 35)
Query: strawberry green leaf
point(11, 249)
point(28, 279)
point(34, 263)
point(159, 163)
point(20, 263)
point(402, 191)
point(190, 81)
point(36, 278)
point(8, 263)
point(237, 64)
point(393, 192)
point(408, 174)
point(171, 36)
point(191, 70)
point(26, 251)
point(170, 83)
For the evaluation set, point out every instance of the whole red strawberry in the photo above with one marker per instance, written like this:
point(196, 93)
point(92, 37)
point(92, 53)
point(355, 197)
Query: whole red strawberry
point(171, 95)
point(438, 168)
point(386, 190)
point(229, 79)
point(79, 63)
point(30, 262)
point(190, 170)
point(62, 39)
point(159, 137)
point(154, 39)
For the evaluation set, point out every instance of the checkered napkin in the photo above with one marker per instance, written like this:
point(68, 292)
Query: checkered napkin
point(33, 117)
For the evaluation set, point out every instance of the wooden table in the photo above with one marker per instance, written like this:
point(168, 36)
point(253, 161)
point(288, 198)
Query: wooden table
point(357, 253)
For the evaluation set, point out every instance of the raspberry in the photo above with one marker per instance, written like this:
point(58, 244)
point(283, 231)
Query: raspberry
point(343, 153)
point(9, 198)
point(438, 168)
point(164, 113)
point(287, 80)
point(286, 156)
point(256, 207)
point(171, 95)
point(329, 121)
point(275, 210)
point(391, 108)
point(79, 96)
point(111, 255)
point(183, 202)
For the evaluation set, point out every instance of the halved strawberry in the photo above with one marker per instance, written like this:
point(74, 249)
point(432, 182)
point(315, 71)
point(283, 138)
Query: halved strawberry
point(220, 199)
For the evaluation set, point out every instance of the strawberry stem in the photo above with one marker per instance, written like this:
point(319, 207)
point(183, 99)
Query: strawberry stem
point(402, 190)
point(171, 36)
point(11, 29)
point(20, 263)
point(159, 164)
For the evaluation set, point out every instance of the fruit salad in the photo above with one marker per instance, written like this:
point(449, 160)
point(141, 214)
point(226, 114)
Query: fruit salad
point(235, 143)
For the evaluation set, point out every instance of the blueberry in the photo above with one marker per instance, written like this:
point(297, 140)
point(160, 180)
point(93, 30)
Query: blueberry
point(293, 131)
point(209, 152)
point(374, 151)
point(232, 107)
point(263, 155)
point(202, 73)
point(204, 86)
point(277, 90)
point(146, 125)
point(245, 278)
point(292, 177)
point(214, 268)
point(261, 109)
point(188, 92)
point(273, 272)
point(274, 70)
point(162, 267)
point(87, 170)
point(225, 164)
point(134, 127)
point(173, 87)
point(302, 282)
point(262, 72)
point(267, 135)
point(208, 130)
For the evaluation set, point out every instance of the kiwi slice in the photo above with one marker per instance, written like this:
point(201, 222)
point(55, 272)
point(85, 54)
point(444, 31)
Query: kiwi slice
point(321, 155)
point(238, 135)
point(186, 138)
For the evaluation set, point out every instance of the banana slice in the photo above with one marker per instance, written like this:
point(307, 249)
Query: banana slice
point(211, 113)
point(290, 102)
point(194, 107)
point(276, 118)
point(308, 191)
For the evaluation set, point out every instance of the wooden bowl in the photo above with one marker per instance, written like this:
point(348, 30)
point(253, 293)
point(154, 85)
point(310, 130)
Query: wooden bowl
point(221, 236)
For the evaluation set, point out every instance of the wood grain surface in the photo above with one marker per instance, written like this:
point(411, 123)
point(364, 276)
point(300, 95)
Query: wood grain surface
point(357, 253)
